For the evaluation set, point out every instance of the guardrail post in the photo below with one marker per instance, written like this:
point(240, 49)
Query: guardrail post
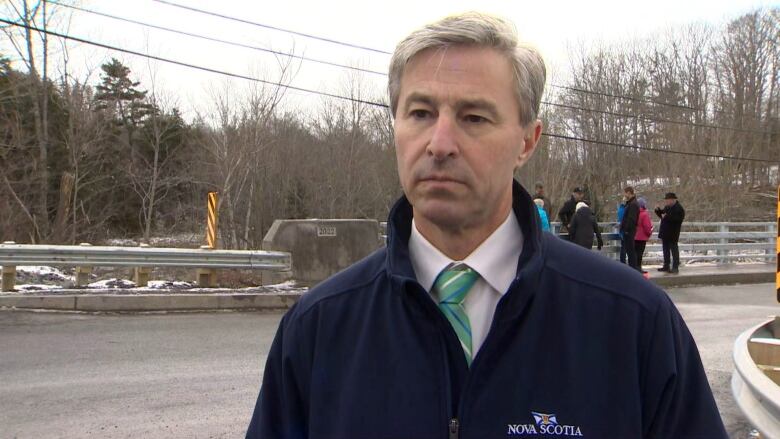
point(9, 275)
point(141, 275)
point(207, 277)
point(723, 228)
point(83, 272)
point(9, 278)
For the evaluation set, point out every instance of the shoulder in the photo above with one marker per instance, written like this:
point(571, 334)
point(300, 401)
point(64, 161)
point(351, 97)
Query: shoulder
point(345, 284)
point(588, 272)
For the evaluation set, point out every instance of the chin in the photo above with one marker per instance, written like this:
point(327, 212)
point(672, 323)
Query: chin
point(441, 214)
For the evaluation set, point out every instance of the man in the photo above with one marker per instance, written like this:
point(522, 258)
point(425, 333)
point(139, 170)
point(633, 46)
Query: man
point(621, 209)
point(628, 226)
point(569, 207)
point(539, 195)
point(472, 322)
point(672, 216)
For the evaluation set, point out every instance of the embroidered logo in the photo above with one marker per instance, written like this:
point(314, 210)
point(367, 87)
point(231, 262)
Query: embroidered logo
point(544, 424)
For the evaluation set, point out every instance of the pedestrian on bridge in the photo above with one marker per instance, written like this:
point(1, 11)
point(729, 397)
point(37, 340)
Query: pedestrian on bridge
point(628, 225)
point(584, 227)
point(473, 323)
point(644, 231)
point(672, 216)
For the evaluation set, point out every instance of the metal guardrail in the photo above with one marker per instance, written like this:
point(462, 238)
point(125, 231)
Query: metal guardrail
point(726, 244)
point(86, 256)
point(755, 393)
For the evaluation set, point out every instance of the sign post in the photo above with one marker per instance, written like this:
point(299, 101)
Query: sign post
point(207, 277)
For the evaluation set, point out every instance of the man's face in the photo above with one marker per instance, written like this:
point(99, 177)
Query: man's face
point(578, 195)
point(459, 138)
point(627, 195)
point(669, 201)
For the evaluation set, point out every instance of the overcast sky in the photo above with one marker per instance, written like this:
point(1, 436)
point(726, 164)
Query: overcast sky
point(551, 25)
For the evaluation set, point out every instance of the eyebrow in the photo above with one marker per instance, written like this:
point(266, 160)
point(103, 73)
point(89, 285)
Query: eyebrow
point(462, 104)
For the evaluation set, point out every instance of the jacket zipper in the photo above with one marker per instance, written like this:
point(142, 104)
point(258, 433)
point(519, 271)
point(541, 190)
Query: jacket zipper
point(454, 427)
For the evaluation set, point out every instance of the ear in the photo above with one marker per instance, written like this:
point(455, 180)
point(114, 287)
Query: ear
point(531, 135)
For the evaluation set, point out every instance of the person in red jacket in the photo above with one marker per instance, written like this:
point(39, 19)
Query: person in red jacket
point(644, 229)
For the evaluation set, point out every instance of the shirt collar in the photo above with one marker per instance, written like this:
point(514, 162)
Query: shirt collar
point(495, 259)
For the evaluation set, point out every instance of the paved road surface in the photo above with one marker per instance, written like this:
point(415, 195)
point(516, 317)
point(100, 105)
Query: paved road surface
point(197, 375)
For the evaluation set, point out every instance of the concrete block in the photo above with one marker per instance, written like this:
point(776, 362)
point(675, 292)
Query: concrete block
point(146, 302)
point(60, 303)
point(321, 248)
point(258, 301)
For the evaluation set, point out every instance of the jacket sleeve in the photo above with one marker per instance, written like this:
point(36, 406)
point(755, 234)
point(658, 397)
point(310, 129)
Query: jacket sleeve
point(572, 228)
point(676, 214)
point(280, 410)
point(630, 218)
point(658, 211)
point(677, 401)
point(599, 241)
point(646, 224)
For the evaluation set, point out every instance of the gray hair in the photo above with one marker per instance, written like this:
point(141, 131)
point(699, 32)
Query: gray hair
point(481, 30)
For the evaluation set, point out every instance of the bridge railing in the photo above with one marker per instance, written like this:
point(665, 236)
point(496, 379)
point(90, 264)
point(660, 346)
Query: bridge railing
point(143, 258)
point(754, 382)
point(719, 242)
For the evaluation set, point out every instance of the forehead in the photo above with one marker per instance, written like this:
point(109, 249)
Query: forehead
point(460, 72)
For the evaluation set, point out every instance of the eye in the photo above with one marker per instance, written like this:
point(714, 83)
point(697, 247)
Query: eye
point(475, 118)
point(420, 114)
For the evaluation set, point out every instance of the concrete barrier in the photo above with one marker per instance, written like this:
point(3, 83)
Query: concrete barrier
point(321, 248)
point(152, 302)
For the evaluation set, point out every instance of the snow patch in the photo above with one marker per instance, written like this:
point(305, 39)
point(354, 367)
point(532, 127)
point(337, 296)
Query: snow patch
point(112, 283)
point(287, 285)
point(37, 287)
point(47, 273)
point(168, 284)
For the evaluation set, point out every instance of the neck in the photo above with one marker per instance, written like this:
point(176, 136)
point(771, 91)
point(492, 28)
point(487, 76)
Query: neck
point(458, 242)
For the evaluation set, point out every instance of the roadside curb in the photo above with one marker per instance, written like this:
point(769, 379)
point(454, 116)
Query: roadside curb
point(151, 302)
point(223, 300)
point(725, 278)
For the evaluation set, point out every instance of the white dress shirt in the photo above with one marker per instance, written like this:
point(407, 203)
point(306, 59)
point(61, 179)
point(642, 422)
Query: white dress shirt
point(496, 262)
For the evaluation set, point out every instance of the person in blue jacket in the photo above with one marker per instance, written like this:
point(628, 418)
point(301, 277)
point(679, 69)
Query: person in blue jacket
point(472, 322)
point(545, 223)
point(621, 210)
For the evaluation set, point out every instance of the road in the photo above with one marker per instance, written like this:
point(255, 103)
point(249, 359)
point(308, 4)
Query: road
point(197, 375)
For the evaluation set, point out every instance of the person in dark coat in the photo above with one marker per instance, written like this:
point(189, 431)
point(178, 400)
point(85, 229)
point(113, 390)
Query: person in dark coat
point(539, 195)
point(569, 207)
point(583, 226)
point(628, 226)
point(672, 216)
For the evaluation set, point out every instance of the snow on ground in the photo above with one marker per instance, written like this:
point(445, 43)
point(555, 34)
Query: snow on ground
point(44, 272)
point(112, 283)
point(37, 287)
point(180, 240)
point(169, 285)
point(288, 285)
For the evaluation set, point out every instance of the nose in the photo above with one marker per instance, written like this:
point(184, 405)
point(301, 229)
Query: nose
point(443, 143)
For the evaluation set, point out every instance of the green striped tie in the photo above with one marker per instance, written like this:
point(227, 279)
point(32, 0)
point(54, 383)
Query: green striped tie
point(451, 287)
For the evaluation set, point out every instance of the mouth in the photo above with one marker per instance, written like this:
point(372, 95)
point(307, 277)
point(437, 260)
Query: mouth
point(441, 179)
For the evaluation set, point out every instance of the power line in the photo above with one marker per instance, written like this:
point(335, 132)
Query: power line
point(355, 46)
point(640, 117)
point(247, 46)
point(266, 26)
point(214, 39)
point(242, 45)
point(665, 151)
point(192, 66)
point(376, 104)
point(630, 98)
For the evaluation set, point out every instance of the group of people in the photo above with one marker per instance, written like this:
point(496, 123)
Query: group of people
point(634, 225)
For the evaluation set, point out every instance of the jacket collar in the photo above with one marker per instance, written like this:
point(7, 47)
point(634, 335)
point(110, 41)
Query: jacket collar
point(399, 226)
